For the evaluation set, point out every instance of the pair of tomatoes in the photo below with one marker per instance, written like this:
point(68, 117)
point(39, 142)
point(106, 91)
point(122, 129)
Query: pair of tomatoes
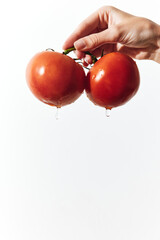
point(57, 80)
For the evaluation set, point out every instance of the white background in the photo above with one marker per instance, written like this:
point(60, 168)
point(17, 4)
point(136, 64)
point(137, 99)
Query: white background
point(83, 176)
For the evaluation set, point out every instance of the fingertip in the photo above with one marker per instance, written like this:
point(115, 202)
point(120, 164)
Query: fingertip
point(66, 45)
point(85, 64)
point(80, 44)
point(79, 54)
point(88, 59)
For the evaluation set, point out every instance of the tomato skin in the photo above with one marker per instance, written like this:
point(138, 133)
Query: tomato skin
point(113, 80)
point(54, 78)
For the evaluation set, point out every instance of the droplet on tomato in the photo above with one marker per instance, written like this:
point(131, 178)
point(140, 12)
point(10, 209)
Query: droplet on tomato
point(108, 112)
point(57, 116)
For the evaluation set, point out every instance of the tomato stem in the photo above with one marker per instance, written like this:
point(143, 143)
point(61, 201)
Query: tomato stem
point(102, 54)
point(94, 59)
point(65, 52)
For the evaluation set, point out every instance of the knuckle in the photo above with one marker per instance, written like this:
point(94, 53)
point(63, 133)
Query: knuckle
point(116, 32)
point(106, 7)
point(94, 40)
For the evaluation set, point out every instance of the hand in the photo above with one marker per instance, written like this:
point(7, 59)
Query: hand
point(111, 29)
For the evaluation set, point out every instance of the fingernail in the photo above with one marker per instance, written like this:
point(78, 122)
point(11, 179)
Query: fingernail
point(80, 44)
point(86, 60)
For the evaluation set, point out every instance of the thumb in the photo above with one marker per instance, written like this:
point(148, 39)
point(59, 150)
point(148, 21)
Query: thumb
point(96, 40)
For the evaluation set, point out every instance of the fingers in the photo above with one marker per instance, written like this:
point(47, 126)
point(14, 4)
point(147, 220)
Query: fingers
point(102, 28)
point(92, 32)
point(96, 40)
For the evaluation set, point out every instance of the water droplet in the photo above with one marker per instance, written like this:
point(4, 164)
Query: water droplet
point(108, 112)
point(49, 50)
point(57, 116)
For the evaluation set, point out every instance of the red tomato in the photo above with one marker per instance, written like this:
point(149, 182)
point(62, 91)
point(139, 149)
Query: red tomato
point(55, 78)
point(113, 80)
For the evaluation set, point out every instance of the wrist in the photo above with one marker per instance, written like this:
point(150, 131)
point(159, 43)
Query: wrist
point(158, 36)
point(157, 44)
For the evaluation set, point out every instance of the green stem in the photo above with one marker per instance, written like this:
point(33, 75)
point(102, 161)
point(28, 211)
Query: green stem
point(102, 54)
point(94, 59)
point(65, 52)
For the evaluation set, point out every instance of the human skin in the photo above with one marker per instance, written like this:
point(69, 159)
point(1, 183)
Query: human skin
point(110, 29)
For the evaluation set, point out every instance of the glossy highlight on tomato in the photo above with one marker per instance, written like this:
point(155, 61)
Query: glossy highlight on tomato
point(113, 80)
point(54, 78)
